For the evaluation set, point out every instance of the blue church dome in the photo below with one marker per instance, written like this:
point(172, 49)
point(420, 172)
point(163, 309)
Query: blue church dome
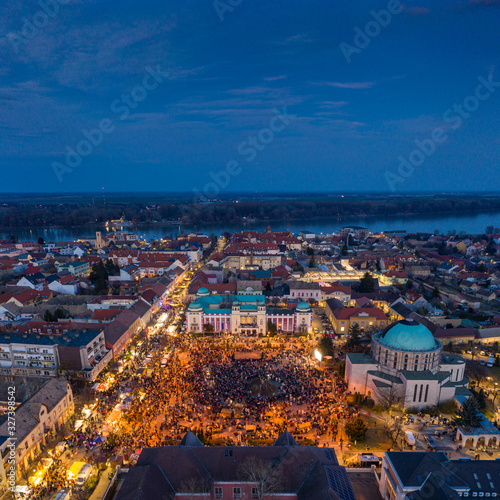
point(408, 335)
point(303, 307)
point(195, 307)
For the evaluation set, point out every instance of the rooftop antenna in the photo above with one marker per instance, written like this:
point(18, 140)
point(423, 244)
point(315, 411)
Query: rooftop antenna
point(103, 197)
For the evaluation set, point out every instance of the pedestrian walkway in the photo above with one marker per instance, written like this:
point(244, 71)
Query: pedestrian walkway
point(102, 486)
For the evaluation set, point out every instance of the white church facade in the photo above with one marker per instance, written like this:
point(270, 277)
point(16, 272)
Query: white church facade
point(406, 367)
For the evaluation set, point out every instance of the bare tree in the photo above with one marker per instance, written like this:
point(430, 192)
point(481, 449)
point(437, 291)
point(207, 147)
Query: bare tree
point(196, 485)
point(391, 396)
point(263, 473)
point(475, 371)
point(394, 430)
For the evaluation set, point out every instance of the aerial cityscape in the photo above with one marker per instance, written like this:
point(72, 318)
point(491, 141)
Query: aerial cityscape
point(250, 250)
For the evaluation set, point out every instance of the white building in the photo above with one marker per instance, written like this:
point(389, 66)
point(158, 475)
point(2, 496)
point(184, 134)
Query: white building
point(304, 291)
point(407, 368)
point(28, 355)
point(82, 352)
point(244, 315)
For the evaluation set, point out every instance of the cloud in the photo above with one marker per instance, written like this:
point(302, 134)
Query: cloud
point(274, 78)
point(416, 11)
point(347, 85)
point(301, 38)
point(332, 104)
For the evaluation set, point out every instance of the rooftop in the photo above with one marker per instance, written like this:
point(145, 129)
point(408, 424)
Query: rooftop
point(408, 335)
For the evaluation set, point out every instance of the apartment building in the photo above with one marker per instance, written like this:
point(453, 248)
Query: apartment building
point(37, 419)
point(81, 352)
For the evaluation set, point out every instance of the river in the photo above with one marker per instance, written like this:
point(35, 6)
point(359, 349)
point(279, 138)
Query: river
point(471, 224)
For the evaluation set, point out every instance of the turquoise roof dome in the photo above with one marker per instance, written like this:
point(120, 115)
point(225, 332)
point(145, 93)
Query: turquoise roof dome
point(303, 307)
point(194, 307)
point(202, 292)
point(408, 335)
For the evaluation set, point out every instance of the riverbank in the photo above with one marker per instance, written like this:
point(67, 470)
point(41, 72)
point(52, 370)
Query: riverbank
point(469, 223)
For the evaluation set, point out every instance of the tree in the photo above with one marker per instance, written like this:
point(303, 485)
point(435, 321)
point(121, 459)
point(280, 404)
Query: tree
point(194, 486)
point(263, 474)
point(394, 430)
point(310, 251)
point(356, 429)
point(48, 316)
point(475, 371)
point(354, 335)
point(367, 283)
point(99, 277)
point(325, 346)
point(59, 314)
point(208, 329)
point(112, 269)
point(468, 414)
point(271, 328)
point(391, 396)
point(345, 251)
point(435, 293)
point(481, 399)
point(491, 248)
point(41, 241)
point(268, 287)
point(312, 262)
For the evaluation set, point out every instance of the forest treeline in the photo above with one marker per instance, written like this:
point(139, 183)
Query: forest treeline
point(26, 215)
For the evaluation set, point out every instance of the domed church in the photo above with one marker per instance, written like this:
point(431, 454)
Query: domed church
point(406, 367)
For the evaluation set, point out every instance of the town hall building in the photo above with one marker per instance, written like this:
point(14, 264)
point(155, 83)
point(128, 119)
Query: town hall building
point(245, 314)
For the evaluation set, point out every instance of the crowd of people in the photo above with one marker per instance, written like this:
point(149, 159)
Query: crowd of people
point(211, 391)
point(216, 396)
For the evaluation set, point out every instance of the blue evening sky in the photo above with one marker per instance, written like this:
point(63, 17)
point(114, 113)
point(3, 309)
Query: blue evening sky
point(225, 72)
